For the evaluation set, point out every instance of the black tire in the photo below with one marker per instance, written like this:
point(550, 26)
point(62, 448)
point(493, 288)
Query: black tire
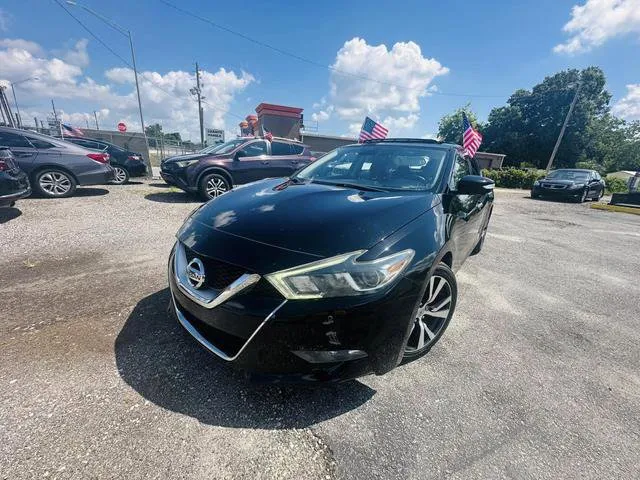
point(54, 183)
point(121, 175)
point(434, 323)
point(213, 185)
point(599, 196)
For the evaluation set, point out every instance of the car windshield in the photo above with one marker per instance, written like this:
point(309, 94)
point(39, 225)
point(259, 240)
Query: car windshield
point(573, 175)
point(222, 148)
point(379, 167)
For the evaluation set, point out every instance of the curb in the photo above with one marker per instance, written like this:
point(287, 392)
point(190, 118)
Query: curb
point(616, 208)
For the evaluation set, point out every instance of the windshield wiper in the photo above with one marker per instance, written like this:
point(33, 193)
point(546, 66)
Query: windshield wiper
point(356, 186)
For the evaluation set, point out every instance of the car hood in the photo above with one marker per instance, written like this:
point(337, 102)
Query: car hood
point(181, 158)
point(320, 220)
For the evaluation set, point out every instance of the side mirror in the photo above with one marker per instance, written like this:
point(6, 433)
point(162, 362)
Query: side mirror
point(237, 155)
point(474, 185)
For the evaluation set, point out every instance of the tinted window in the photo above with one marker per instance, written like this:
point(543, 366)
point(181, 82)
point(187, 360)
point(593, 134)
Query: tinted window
point(280, 148)
point(574, 175)
point(13, 140)
point(255, 149)
point(460, 169)
point(387, 167)
point(87, 144)
point(297, 149)
point(36, 142)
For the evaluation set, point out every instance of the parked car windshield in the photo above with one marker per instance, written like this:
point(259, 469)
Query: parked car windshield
point(568, 175)
point(224, 147)
point(385, 167)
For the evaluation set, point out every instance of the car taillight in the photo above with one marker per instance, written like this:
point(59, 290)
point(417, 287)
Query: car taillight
point(99, 157)
point(4, 166)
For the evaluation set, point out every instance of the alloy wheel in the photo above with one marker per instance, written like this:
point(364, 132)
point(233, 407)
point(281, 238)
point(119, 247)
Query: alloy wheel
point(432, 315)
point(216, 186)
point(120, 175)
point(55, 184)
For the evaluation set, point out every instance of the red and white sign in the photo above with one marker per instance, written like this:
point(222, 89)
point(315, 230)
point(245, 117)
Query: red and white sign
point(122, 127)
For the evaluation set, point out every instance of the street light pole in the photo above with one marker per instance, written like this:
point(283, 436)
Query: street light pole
point(15, 100)
point(127, 34)
point(17, 108)
point(564, 126)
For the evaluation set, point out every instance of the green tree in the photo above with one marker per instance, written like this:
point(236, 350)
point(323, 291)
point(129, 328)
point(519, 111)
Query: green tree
point(154, 134)
point(450, 126)
point(526, 128)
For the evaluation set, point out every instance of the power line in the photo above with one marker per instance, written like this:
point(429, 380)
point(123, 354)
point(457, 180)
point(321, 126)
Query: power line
point(313, 62)
point(123, 60)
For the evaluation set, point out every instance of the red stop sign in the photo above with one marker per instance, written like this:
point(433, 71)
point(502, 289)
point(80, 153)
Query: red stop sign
point(122, 127)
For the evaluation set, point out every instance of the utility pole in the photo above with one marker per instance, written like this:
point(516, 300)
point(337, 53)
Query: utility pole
point(198, 93)
point(564, 125)
point(86, 119)
point(95, 115)
point(35, 120)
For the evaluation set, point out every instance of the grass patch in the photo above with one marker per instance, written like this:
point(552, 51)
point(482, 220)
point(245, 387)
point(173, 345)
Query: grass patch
point(616, 208)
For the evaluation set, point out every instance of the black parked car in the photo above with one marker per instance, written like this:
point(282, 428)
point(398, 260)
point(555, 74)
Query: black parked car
point(215, 170)
point(125, 163)
point(572, 183)
point(14, 183)
point(343, 269)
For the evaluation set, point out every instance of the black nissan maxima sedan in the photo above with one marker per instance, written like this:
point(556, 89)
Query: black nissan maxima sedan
point(570, 183)
point(345, 268)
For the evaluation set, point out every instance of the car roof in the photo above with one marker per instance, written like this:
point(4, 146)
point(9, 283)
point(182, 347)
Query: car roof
point(412, 141)
point(573, 170)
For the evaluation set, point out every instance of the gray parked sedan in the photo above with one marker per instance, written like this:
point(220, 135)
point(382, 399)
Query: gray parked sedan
point(55, 167)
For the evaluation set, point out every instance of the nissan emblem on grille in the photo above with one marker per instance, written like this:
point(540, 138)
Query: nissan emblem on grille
point(195, 273)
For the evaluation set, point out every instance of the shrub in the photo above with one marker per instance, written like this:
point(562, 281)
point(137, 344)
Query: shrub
point(616, 185)
point(514, 177)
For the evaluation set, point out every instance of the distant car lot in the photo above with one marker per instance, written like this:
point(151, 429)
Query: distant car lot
point(536, 377)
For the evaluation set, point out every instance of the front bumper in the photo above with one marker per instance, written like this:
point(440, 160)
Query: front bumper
point(177, 177)
point(572, 193)
point(10, 198)
point(259, 331)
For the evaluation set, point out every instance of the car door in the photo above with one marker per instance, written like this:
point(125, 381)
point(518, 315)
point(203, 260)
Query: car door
point(25, 154)
point(284, 162)
point(467, 212)
point(251, 162)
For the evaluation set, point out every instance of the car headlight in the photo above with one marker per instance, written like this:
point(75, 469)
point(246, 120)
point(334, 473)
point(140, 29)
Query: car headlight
point(536, 183)
point(340, 276)
point(186, 163)
point(577, 185)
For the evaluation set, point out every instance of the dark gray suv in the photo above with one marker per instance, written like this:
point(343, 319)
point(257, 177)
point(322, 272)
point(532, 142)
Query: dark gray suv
point(55, 167)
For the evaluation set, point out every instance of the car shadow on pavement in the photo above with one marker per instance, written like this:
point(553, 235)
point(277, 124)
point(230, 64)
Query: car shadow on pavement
point(157, 358)
point(171, 197)
point(8, 214)
point(159, 185)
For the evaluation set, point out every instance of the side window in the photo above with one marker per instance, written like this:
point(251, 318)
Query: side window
point(461, 168)
point(296, 149)
point(13, 140)
point(255, 149)
point(36, 142)
point(280, 148)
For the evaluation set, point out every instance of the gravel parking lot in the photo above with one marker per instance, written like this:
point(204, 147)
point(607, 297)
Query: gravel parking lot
point(538, 375)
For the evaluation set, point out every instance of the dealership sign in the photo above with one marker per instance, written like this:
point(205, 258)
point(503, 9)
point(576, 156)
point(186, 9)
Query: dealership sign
point(214, 136)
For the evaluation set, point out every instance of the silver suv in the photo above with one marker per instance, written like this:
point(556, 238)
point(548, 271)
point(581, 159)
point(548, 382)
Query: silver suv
point(55, 167)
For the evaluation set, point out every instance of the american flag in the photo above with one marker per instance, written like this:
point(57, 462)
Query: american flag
point(372, 130)
point(471, 139)
point(70, 131)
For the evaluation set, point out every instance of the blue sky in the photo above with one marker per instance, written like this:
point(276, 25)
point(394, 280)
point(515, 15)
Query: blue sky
point(477, 54)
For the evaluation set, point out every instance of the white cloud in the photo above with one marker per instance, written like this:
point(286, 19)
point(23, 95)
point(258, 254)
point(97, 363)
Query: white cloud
point(322, 115)
point(596, 21)
point(381, 83)
point(20, 44)
point(165, 97)
point(78, 55)
point(5, 20)
point(629, 106)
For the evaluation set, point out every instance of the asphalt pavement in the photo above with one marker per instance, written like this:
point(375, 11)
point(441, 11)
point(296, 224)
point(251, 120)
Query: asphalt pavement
point(538, 375)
